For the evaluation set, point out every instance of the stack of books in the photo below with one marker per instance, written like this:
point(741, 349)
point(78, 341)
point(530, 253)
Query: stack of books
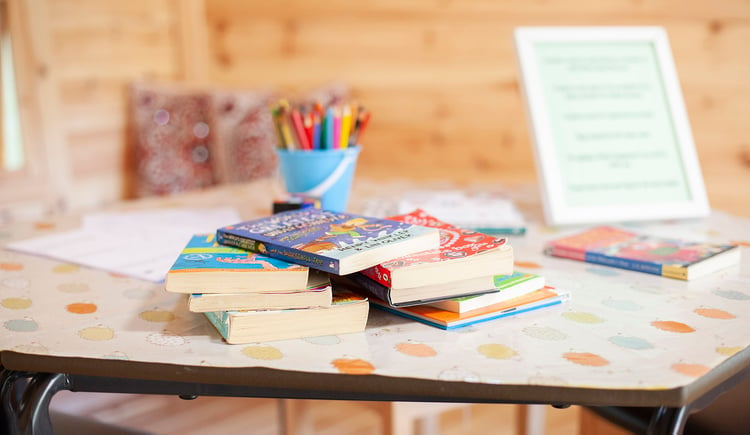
point(312, 272)
point(250, 297)
point(468, 279)
point(268, 279)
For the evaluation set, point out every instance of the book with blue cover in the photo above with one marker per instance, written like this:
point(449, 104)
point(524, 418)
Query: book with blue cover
point(205, 266)
point(335, 242)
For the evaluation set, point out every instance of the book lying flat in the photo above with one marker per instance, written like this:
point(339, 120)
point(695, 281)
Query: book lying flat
point(424, 294)
point(347, 313)
point(541, 298)
point(509, 287)
point(462, 254)
point(204, 266)
point(317, 294)
point(680, 259)
point(335, 242)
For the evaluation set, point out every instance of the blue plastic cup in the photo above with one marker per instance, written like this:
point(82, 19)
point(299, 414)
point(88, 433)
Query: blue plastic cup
point(324, 174)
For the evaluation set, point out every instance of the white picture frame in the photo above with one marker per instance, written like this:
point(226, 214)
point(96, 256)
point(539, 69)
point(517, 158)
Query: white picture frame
point(611, 136)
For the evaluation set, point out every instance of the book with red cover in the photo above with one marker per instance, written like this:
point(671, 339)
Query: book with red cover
point(463, 254)
point(679, 259)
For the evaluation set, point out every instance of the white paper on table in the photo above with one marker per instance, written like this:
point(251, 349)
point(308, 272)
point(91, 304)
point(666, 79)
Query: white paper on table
point(465, 210)
point(141, 244)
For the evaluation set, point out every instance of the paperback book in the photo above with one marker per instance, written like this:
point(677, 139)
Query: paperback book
point(335, 242)
point(462, 254)
point(508, 286)
point(205, 266)
point(317, 294)
point(680, 259)
point(443, 319)
point(347, 313)
point(423, 294)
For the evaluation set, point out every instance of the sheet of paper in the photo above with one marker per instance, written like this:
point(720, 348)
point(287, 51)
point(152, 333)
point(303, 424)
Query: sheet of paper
point(142, 245)
point(483, 212)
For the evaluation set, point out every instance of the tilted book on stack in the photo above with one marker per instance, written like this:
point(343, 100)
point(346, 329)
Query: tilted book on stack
point(465, 263)
point(335, 242)
point(673, 258)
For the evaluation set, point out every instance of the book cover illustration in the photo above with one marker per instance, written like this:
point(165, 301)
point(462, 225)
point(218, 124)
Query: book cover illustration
point(641, 252)
point(319, 238)
point(444, 319)
point(455, 243)
point(203, 255)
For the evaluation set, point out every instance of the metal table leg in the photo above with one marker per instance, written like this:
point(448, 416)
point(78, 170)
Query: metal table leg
point(25, 401)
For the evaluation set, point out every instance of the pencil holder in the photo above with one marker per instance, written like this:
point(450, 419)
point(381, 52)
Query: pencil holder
point(325, 174)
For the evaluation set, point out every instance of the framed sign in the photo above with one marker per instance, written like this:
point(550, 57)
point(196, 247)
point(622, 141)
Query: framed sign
point(612, 140)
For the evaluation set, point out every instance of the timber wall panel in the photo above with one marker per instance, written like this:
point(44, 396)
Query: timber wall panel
point(441, 80)
point(439, 76)
point(99, 47)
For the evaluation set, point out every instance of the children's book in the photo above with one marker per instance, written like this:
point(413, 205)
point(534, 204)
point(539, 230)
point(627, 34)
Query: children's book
point(509, 287)
point(672, 258)
point(462, 254)
point(347, 313)
point(423, 294)
point(204, 266)
point(335, 242)
point(317, 294)
point(544, 297)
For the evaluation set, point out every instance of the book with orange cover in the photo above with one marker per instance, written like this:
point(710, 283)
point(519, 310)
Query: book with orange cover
point(437, 317)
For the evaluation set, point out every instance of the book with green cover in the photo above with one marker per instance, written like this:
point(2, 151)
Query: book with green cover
point(509, 287)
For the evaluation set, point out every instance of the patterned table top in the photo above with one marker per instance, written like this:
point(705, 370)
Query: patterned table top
point(621, 330)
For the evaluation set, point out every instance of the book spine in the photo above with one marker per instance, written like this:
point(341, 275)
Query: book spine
point(291, 255)
point(220, 322)
point(624, 263)
point(236, 241)
point(511, 282)
point(379, 274)
point(677, 272)
point(573, 254)
point(372, 288)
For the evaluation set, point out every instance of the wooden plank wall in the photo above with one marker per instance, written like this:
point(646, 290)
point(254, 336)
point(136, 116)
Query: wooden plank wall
point(439, 75)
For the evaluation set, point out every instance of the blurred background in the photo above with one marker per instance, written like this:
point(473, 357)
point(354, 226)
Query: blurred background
point(439, 76)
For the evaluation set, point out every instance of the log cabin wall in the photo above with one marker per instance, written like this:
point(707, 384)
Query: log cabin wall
point(439, 76)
